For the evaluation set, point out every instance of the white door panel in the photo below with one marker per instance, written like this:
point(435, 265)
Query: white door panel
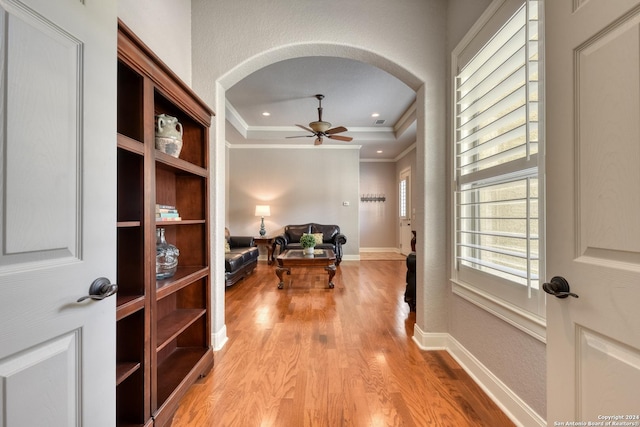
point(593, 208)
point(57, 211)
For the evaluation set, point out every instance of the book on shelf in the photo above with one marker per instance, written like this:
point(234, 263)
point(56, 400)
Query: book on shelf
point(167, 214)
point(160, 207)
point(176, 218)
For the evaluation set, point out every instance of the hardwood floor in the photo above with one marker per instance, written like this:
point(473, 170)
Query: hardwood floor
point(307, 355)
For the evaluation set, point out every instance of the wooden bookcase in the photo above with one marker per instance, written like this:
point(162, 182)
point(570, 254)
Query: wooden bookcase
point(163, 327)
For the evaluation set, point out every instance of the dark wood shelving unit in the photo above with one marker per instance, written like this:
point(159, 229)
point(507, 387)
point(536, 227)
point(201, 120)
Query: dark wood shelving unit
point(124, 370)
point(163, 327)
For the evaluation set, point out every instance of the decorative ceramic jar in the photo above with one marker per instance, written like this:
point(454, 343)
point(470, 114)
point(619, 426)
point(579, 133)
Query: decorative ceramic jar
point(166, 256)
point(308, 251)
point(168, 135)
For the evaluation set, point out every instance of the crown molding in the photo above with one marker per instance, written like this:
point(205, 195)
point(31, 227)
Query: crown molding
point(236, 119)
point(292, 146)
point(406, 120)
point(395, 159)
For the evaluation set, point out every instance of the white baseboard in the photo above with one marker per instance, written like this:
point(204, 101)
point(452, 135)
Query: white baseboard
point(396, 250)
point(509, 402)
point(219, 338)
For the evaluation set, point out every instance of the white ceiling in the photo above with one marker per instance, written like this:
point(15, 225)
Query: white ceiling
point(353, 92)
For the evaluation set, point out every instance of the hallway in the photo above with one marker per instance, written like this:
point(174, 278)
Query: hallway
point(310, 356)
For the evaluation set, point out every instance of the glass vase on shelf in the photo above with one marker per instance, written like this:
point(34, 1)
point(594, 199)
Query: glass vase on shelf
point(166, 256)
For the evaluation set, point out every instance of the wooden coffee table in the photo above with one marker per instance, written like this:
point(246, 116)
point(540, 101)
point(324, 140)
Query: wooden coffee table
point(295, 258)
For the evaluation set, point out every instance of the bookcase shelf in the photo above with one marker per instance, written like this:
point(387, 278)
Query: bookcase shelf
point(124, 370)
point(163, 328)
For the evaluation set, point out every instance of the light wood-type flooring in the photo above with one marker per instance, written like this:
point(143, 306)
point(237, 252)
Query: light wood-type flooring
point(307, 355)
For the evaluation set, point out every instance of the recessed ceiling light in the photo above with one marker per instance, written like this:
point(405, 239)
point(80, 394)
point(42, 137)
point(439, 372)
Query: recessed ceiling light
point(375, 115)
point(266, 114)
point(379, 151)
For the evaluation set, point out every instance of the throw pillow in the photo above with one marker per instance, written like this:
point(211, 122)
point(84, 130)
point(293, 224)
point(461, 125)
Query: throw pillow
point(227, 248)
point(318, 237)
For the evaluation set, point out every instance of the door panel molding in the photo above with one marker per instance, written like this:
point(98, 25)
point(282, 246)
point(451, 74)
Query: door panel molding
point(56, 365)
point(41, 213)
point(604, 366)
point(607, 149)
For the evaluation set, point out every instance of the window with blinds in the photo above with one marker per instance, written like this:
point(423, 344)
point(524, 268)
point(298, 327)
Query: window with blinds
point(497, 137)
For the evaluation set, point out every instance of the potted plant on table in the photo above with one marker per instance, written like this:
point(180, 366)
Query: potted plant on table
point(308, 242)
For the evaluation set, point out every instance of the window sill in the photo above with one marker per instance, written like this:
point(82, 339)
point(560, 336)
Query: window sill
point(526, 322)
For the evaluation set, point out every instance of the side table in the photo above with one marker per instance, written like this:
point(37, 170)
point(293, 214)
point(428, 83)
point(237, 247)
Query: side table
point(269, 243)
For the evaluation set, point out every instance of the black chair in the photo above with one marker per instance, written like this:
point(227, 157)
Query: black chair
point(410, 291)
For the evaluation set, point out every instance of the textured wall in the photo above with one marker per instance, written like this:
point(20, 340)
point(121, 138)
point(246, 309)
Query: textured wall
point(239, 34)
point(516, 358)
point(165, 26)
point(233, 38)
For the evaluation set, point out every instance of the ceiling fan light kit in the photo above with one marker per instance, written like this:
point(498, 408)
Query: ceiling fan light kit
point(321, 129)
point(320, 126)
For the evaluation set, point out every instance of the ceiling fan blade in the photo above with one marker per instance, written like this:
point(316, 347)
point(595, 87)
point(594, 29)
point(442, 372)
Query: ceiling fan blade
point(336, 130)
point(306, 128)
point(300, 136)
point(340, 138)
point(318, 141)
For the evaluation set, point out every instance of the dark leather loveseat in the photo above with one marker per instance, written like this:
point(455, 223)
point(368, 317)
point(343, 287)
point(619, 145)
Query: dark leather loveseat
point(241, 259)
point(331, 237)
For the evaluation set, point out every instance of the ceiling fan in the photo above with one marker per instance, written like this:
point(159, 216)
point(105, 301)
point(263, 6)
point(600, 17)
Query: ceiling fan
point(322, 129)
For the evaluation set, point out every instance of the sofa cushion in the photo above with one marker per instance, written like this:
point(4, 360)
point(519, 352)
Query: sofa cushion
point(237, 257)
point(295, 232)
point(328, 231)
point(233, 261)
point(298, 246)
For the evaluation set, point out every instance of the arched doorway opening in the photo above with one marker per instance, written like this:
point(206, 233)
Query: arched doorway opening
point(433, 135)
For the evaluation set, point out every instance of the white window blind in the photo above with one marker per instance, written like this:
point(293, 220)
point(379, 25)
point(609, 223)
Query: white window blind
point(496, 160)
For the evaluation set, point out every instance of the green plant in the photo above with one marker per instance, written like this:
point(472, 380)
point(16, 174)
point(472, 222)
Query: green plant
point(307, 241)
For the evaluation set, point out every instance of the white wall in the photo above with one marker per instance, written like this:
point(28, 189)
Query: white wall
point(164, 26)
point(301, 185)
point(379, 220)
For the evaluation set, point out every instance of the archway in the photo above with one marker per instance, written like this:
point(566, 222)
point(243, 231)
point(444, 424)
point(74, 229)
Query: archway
point(436, 196)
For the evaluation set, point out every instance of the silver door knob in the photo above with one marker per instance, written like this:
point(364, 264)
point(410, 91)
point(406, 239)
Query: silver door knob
point(558, 287)
point(100, 289)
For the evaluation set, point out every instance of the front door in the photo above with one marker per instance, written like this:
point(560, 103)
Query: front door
point(593, 210)
point(404, 200)
point(57, 209)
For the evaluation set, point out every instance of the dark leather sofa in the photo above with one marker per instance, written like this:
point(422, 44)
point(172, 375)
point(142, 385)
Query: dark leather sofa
point(241, 259)
point(331, 237)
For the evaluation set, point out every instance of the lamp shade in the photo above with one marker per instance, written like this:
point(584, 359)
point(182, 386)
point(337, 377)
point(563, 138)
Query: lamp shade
point(263, 210)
